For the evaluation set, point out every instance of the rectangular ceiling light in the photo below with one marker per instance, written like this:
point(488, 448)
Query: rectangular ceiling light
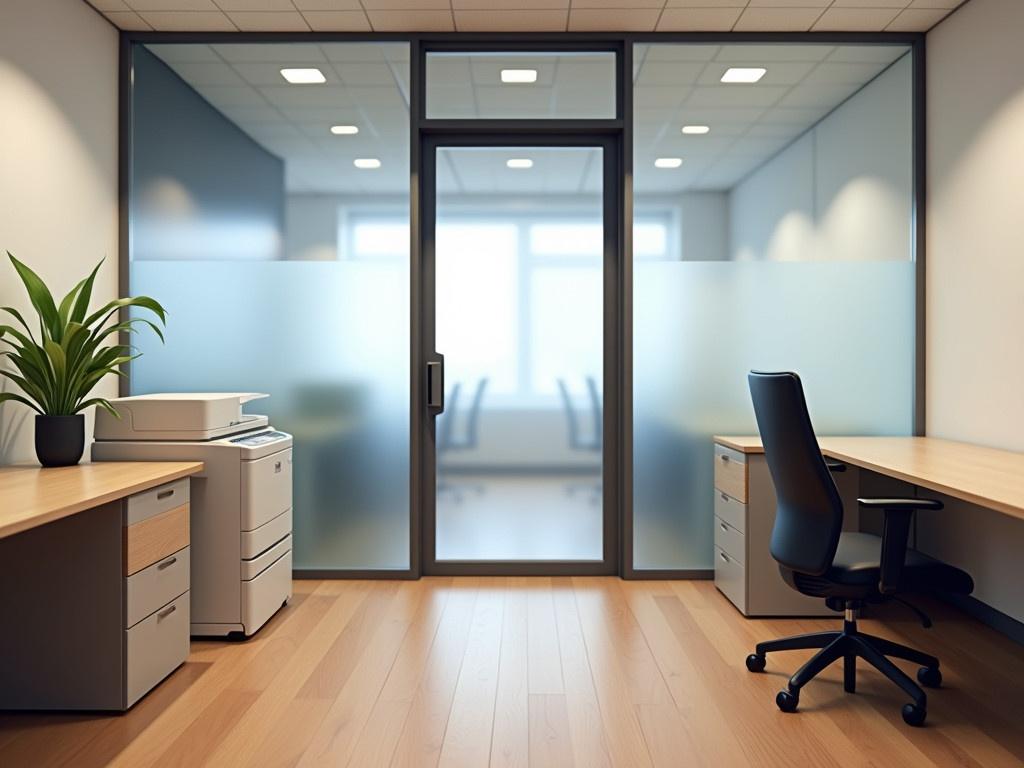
point(303, 76)
point(743, 74)
point(519, 162)
point(519, 75)
point(344, 130)
point(696, 130)
point(668, 162)
point(366, 163)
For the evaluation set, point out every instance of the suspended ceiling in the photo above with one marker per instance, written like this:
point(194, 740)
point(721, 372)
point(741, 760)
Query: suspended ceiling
point(526, 15)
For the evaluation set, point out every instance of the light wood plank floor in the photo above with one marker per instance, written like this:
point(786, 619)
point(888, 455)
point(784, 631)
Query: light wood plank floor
point(559, 672)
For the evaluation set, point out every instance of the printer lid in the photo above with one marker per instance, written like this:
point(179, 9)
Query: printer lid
point(178, 416)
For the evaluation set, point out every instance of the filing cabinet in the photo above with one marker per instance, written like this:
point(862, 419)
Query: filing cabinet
point(744, 509)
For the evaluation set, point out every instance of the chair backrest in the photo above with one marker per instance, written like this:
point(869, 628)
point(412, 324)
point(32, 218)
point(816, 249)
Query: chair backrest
point(809, 510)
point(570, 415)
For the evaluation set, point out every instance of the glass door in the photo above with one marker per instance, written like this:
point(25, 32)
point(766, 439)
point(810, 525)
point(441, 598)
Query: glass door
point(516, 252)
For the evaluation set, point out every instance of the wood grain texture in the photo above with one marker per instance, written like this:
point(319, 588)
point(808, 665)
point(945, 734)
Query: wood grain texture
point(436, 672)
point(152, 539)
point(987, 477)
point(32, 496)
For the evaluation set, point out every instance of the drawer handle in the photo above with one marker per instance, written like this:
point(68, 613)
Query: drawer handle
point(277, 466)
point(723, 556)
point(725, 497)
point(167, 563)
point(724, 527)
point(166, 612)
point(723, 457)
point(165, 494)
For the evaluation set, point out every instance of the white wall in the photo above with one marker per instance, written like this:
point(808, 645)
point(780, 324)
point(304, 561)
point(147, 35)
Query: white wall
point(842, 191)
point(58, 162)
point(975, 275)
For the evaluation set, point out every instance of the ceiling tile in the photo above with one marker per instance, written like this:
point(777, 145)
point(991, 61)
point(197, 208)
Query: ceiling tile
point(337, 21)
point(255, 5)
point(917, 20)
point(613, 19)
point(327, 5)
point(698, 19)
point(707, 3)
point(947, 4)
point(790, 3)
point(128, 20)
point(777, 19)
point(207, 73)
point(870, 4)
point(269, 21)
point(109, 6)
point(622, 4)
point(261, 53)
point(855, 19)
point(511, 21)
point(173, 53)
point(183, 21)
point(403, 5)
point(509, 5)
point(420, 21)
point(772, 52)
point(173, 5)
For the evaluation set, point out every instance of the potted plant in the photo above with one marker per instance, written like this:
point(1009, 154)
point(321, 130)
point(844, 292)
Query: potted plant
point(58, 364)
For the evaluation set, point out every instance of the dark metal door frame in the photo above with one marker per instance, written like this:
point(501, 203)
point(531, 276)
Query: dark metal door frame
point(611, 147)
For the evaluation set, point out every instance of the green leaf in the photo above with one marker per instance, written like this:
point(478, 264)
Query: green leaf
point(85, 296)
point(65, 306)
point(40, 297)
point(5, 396)
point(100, 402)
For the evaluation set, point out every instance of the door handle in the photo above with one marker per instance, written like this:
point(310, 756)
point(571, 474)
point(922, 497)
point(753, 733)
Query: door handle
point(435, 384)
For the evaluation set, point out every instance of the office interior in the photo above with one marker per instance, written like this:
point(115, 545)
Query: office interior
point(503, 273)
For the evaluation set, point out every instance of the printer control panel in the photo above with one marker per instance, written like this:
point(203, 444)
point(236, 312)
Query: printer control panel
point(260, 438)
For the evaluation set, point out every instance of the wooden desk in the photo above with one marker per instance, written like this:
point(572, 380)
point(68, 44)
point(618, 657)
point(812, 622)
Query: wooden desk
point(94, 582)
point(32, 496)
point(984, 476)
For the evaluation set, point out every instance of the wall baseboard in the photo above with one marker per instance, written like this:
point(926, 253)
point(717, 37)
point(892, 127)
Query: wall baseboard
point(986, 614)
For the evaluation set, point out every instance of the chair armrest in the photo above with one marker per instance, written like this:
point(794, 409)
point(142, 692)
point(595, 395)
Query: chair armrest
point(834, 466)
point(895, 533)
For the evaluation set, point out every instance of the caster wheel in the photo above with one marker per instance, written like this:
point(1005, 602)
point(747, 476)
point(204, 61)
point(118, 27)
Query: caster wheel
point(929, 677)
point(755, 663)
point(914, 715)
point(787, 701)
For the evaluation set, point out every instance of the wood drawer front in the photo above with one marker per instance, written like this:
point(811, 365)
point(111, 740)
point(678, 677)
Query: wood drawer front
point(156, 501)
point(155, 647)
point(731, 579)
point(732, 511)
point(730, 541)
point(731, 472)
point(156, 586)
point(155, 538)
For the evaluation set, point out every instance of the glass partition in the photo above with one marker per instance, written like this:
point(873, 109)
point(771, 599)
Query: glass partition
point(272, 220)
point(773, 229)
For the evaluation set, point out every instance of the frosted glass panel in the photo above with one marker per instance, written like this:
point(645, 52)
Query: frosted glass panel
point(781, 239)
point(284, 266)
point(518, 295)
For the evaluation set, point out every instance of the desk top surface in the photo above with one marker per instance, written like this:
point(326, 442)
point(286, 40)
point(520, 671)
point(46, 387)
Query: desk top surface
point(33, 496)
point(984, 476)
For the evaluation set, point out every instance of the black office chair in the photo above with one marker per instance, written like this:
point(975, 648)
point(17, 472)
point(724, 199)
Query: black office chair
point(817, 558)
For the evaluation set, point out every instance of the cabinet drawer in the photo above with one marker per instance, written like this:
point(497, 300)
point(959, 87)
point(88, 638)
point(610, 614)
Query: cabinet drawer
point(730, 541)
point(731, 472)
point(155, 538)
point(156, 586)
point(266, 488)
point(254, 567)
point(732, 511)
point(155, 647)
point(730, 579)
point(264, 537)
point(264, 595)
point(156, 501)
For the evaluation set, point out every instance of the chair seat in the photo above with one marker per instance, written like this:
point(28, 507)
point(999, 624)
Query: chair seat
point(857, 564)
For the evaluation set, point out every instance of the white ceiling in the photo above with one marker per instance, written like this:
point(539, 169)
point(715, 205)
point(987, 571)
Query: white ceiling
point(674, 85)
point(526, 15)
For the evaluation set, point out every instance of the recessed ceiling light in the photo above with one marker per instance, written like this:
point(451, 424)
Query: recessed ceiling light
point(695, 130)
point(366, 162)
point(519, 162)
point(743, 74)
point(519, 75)
point(668, 162)
point(303, 76)
point(344, 130)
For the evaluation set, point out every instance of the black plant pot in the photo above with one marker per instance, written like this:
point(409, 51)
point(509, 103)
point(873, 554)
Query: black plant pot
point(60, 440)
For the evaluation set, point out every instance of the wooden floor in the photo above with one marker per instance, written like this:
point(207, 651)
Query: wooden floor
point(542, 672)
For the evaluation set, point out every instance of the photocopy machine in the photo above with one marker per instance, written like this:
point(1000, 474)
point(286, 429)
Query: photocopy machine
point(240, 505)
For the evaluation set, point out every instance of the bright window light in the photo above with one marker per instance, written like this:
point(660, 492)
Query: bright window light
point(743, 74)
point(344, 130)
point(304, 76)
point(366, 163)
point(668, 162)
point(519, 75)
point(696, 130)
point(519, 162)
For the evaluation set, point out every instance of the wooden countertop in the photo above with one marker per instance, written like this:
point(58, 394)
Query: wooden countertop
point(984, 476)
point(33, 496)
